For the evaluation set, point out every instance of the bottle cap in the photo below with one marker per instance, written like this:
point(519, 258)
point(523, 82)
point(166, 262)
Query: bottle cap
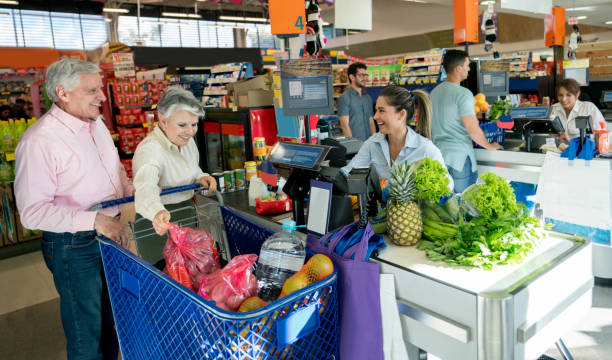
point(289, 224)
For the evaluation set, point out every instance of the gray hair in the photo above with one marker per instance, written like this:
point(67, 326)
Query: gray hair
point(177, 98)
point(67, 74)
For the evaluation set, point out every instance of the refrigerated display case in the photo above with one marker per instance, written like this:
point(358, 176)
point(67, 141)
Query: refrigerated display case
point(225, 137)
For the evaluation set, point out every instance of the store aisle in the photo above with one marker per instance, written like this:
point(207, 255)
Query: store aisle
point(30, 326)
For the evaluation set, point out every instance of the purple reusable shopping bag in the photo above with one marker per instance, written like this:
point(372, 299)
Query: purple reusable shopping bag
point(359, 293)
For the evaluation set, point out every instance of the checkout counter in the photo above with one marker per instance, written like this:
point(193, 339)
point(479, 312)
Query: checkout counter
point(511, 312)
point(533, 126)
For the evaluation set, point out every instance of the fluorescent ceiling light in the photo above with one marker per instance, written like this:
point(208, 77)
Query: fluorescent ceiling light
point(416, 1)
point(115, 10)
point(581, 8)
point(609, 22)
point(242, 18)
point(325, 23)
point(7, 2)
point(487, 2)
point(580, 17)
point(173, 14)
point(108, 20)
point(254, 19)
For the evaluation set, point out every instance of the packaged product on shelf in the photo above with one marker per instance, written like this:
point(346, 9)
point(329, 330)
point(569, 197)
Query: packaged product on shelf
point(8, 142)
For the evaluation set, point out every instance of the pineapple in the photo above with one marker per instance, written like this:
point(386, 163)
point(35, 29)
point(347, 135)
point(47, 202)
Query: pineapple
point(404, 223)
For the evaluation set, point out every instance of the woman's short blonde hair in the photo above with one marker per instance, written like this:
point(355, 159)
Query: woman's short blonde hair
point(177, 98)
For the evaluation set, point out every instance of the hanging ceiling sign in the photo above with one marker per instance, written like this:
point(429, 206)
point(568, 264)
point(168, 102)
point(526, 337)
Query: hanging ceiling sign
point(353, 14)
point(573, 21)
point(287, 17)
point(540, 6)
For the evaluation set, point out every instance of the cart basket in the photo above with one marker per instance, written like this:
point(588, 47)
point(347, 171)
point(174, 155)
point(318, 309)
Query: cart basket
point(159, 319)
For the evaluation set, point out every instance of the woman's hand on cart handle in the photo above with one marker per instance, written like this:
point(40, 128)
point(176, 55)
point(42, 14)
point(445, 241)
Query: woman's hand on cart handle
point(160, 222)
point(210, 183)
point(112, 229)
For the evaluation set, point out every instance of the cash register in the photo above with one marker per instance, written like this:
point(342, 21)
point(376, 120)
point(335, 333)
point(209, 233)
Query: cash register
point(535, 125)
point(301, 163)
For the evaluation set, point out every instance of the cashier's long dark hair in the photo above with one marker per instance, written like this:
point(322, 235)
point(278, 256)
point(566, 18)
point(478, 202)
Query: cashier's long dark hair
point(400, 98)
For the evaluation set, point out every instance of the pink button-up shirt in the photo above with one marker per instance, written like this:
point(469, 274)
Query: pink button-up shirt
point(63, 167)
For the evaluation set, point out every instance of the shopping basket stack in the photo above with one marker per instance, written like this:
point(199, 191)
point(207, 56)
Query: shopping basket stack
point(157, 318)
point(492, 132)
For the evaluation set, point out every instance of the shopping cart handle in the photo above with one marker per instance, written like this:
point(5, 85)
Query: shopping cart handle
point(129, 199)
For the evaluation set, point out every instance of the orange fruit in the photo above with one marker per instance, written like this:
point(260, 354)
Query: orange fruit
point(476, 108)
point(480, 97)
point(484, 106)
point(298, 281)
point(318, 268)
point(252, 303)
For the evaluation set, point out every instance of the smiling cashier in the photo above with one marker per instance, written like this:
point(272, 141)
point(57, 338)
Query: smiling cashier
point(397, 142)
point(569, 107)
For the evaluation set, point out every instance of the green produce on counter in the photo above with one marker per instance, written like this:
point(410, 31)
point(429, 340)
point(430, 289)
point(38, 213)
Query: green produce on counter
point(499, 108)
point(503, 232)
point(430, 179)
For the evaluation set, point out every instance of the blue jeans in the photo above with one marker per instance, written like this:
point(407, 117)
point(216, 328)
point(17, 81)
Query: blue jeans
point(465, 177)
point(76, 265)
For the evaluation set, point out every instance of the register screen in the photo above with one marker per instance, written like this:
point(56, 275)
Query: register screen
point(297, 155)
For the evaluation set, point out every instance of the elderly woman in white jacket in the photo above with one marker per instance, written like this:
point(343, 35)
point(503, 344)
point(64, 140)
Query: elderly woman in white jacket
point(167, 157)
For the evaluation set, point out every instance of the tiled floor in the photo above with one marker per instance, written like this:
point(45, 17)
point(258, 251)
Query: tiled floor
point(30, 327)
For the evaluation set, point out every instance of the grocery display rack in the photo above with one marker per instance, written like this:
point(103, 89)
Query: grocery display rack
point(422, 68)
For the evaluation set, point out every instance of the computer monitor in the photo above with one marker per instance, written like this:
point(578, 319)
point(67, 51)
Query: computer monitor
point(581, 75)
point(307, 87)
point(493, 84)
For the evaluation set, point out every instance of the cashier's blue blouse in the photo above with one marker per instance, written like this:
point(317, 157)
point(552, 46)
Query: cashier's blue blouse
point(375, 151)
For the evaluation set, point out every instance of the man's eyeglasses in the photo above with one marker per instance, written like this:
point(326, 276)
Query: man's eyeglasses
point(362, 75)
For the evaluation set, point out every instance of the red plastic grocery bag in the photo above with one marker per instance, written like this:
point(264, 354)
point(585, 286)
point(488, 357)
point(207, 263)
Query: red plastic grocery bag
point(190, 255)
point(229, 286)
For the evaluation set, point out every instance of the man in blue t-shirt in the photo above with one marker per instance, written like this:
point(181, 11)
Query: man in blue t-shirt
point(454, 122)
point(355, 106)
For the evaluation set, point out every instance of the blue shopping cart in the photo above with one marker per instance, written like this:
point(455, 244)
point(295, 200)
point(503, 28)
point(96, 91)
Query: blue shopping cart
point(157, 318)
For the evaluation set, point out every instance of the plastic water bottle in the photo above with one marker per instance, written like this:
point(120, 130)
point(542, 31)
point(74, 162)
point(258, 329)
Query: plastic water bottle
point(281, 256)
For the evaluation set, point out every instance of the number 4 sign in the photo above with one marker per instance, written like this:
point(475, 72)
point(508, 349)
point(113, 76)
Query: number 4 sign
point(287, 17)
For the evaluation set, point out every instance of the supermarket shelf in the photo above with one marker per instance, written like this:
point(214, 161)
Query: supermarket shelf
point(338, 66)
point(420, 56)
point(215, 94)
point(131, 126)
point(421, 74)
point(226, 69)
point(132, 106)
point(28, 246)
point(422, 64)
point(12, 92)
point(221, 81)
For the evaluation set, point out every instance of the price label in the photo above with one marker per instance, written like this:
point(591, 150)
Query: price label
point(10, 156)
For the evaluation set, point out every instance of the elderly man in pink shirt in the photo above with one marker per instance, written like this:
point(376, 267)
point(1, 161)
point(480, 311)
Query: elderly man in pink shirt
point(66, 163)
